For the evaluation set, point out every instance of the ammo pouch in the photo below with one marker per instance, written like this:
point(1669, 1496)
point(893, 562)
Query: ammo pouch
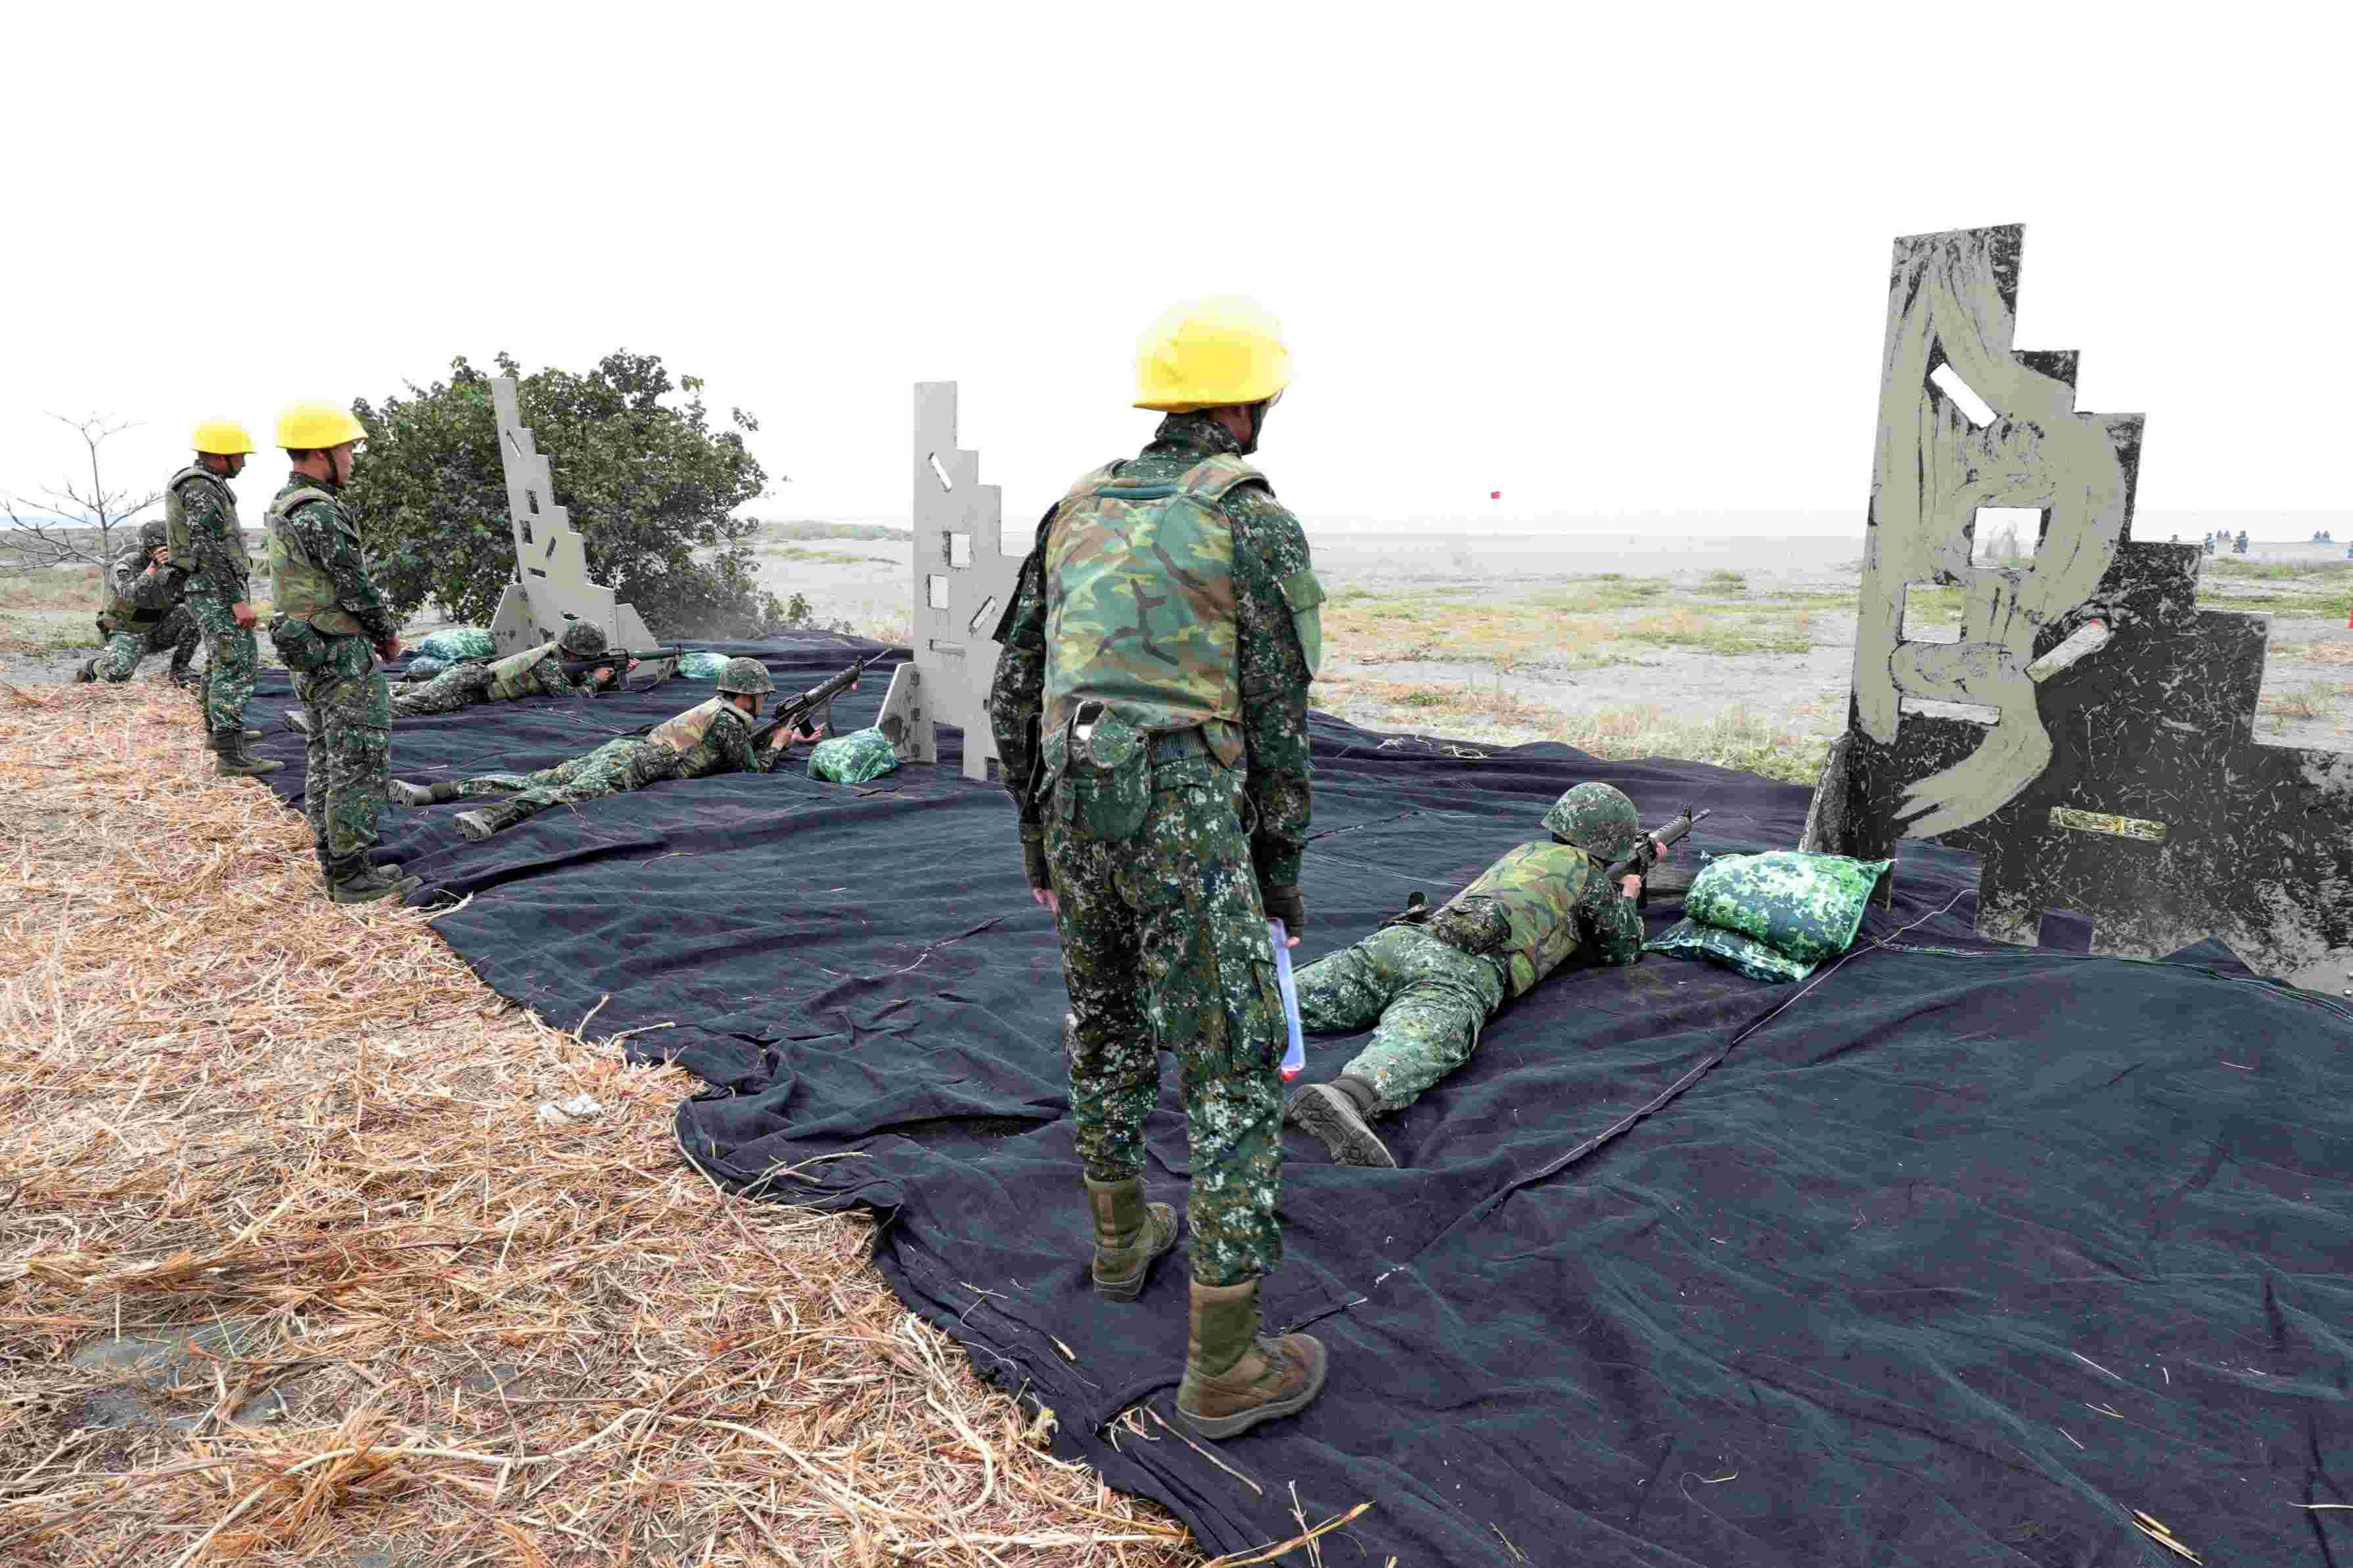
point(1475, 926)
point(1098, 775)
point(298, 645)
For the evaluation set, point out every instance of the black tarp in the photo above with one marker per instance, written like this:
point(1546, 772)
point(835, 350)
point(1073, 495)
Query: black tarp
point(1960, 1258)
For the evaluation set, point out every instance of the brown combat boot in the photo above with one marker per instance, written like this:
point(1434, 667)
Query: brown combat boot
point(1336, 1113)
point(86, 673)
point(1130, 1235)
point(480, 824)
point(368, 886)
point(232, 761)
point(1236, 1377)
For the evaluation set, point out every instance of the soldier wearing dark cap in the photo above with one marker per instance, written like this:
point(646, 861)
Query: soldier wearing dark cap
point(712, 737)
point(1430, 987)
point(1150, 715)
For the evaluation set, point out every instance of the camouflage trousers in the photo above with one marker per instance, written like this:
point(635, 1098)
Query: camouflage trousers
point(230, 656)
point(347, 758)
point(629, 762)
point(1165, 945)
point(1429, 1000)
point(124, 650)
point(459, 686)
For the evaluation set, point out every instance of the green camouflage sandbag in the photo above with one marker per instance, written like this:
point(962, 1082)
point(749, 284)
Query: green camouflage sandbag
point(854, 758)
point(702, 665)
point(453, 643)
point(1772, 916)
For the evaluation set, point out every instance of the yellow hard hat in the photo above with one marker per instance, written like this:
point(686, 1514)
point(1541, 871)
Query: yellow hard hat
point(315, 426)
point(224, 438)
point(1208, 353)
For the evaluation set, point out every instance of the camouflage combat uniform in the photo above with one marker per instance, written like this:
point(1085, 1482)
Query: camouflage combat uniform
point(328, 621)
point(1433, 987)
point(1163, 823)
point(208, 545)
point(534, 672)
point(144, 617)
point(712, 737)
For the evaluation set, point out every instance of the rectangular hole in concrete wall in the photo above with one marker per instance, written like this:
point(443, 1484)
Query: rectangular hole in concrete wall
point(980, 626)
point(1932, 613)
point(959, 549)
point(2005, 535)
point(1975, 712)
point(532, 496)
point(1948, 380)
point(940, 472)
point(526, 531)
point(935, 590)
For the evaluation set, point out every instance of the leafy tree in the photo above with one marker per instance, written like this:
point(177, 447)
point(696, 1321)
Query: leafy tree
point(650, 488)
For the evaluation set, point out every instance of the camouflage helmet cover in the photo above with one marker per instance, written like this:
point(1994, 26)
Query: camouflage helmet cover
point(154, 532)
point(746, 675)
point(1598, 818)
point(581, 640)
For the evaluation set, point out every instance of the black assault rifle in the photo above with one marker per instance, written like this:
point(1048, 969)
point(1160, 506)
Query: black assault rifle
point(1647, 848)
point(816, 702)
point(617, 660)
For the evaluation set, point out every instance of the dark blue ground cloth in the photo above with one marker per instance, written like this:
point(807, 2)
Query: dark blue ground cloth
point(1959, 1259)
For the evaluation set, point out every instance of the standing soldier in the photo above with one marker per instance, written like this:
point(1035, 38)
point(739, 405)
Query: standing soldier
point(1150, 710)
point(330, 627)
point(143, 615)
point(208, 548)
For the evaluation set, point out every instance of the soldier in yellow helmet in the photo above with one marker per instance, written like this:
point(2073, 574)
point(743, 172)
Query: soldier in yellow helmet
point(1161, 636)
point(208, 550)
point(331, 626)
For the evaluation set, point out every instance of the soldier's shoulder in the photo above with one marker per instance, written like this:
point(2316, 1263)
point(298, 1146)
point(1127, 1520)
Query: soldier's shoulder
point(1268, 528)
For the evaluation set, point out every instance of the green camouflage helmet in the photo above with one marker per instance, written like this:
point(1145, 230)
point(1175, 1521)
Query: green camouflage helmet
point(746, 675)
point(153, 533)
point(1598, 819)
point(581, 640)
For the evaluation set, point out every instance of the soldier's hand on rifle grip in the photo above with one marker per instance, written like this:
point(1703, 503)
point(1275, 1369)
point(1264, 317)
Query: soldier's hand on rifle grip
point(1631, 887)
point(1285, 902)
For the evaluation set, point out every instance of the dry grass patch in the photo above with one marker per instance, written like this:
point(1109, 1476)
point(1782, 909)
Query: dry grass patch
point(2338, 652)
point(1369, 628)
point(227, 1103)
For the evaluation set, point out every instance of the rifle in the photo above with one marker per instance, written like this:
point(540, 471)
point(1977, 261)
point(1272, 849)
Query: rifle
point(818, 700)
point(1646, 850)
point(617, 659)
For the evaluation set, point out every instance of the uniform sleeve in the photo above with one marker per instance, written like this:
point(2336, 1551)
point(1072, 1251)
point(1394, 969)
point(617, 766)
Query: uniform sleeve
point(219, 567)
point(1278, 638)
point(336, 549)
point(1017, 696)
point(131, 581)
point(1610, 921)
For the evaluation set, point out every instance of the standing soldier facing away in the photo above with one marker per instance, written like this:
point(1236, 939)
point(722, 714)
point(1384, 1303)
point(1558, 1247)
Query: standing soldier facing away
point(330, 627)
point(208, 546)
point(143, 614)
point(1150, 710)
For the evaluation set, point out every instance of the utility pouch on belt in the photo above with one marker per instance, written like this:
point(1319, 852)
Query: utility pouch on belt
point(299, 647)
point(1474, 926)
point(1106, 783)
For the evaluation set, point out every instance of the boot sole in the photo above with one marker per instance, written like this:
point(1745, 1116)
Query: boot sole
point(1346, 1137)
point(407, 793)
point(472, 825)
point(1129, 1288)
point(400, 889)
point(1240, 1421)
point(294, 721)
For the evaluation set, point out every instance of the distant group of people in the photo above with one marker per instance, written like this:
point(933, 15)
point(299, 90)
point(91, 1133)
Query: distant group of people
point(2219, 537)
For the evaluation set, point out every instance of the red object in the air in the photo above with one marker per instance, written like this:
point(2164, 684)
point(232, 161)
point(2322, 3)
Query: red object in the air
point(1495, 495)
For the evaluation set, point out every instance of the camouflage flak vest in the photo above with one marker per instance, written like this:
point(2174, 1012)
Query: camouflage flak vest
point(175, 514)
point(1140, 603)
point(683, 731)
point(300, 588)
point(1537, 888)
point(510, 677)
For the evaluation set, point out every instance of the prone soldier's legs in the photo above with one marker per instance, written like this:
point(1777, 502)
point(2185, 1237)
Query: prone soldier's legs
point(458, 686)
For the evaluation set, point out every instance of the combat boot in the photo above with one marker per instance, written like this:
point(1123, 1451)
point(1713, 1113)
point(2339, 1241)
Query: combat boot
point(1236, 1377)
point(1334, 1112)
point(439, 793)
point(297, 720)
point(369, 884)
point(1130, 1235)
point(86, 673)
point(233, 761)
point(480, 825)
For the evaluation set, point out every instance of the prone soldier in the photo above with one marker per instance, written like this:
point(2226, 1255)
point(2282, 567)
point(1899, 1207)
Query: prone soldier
point(533, 672)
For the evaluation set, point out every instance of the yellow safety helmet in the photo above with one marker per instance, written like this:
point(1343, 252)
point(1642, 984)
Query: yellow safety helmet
point(1208, 353)
point(223, 437)
point(315, 426)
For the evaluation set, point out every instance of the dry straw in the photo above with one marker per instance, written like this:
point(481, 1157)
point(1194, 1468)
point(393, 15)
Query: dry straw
point(224, 1100)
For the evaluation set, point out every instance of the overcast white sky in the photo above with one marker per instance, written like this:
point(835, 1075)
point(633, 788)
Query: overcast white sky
point(1603, 265)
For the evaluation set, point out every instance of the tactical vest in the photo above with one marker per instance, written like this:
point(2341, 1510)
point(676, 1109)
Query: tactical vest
point(123, 613)
point(300, 588)
point(175, 515)
point(1140, 603)
point(684, 731)
point(1537, 888)
point(510, 677)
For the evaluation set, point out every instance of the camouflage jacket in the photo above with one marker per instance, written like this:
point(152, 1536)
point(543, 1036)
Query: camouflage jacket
point(1272, 669)
point(147, 599)
point(217, 544)
point(715, 737)
point(311, 528)
point(1531, 910)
